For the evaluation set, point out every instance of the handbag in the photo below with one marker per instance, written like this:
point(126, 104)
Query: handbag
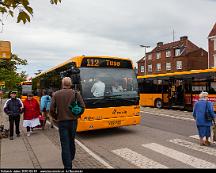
point(207, 116)
point(76, 108)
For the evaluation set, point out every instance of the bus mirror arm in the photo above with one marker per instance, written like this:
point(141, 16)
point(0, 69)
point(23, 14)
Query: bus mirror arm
point(71, 71)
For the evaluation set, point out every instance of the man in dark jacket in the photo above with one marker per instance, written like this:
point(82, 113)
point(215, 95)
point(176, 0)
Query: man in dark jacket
point(67, 123)
point(13, 108)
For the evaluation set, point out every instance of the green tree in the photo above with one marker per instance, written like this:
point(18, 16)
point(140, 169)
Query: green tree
point(22, 6)
point(8, 71)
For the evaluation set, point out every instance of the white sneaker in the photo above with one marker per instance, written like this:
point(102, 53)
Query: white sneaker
point(28, 134)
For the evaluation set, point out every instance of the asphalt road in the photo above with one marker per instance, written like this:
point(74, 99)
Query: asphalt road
point(164, 139)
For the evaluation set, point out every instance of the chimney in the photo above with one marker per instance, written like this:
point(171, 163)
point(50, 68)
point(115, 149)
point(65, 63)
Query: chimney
point(183, 38)
point(159, 44)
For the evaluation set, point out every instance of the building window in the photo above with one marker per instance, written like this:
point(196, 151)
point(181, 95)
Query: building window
point(177, 52)
point(142, 69)
point(158, 67)
point(150, 57)
point(150, 68)
point(215, 60)
point(215, 44)
point(168, 66)
point(158, 55)
point(179, 65)
point(168, 53)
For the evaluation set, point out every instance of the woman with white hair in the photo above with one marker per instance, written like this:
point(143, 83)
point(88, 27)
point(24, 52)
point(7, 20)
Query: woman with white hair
point(203, 125)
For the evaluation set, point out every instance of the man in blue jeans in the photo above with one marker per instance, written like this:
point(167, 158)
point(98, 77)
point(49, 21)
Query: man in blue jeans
point(67, 123)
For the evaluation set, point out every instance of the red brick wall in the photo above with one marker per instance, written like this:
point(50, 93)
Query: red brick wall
point(211, 53)
point(193, 61)
point(193, 58)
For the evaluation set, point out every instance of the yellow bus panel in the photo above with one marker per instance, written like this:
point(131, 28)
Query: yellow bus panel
point(107, 123)
point(149, 99)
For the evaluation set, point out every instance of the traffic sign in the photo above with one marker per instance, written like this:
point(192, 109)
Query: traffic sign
point(5, 50)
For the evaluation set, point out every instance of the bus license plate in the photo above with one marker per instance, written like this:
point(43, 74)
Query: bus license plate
point(114, 123)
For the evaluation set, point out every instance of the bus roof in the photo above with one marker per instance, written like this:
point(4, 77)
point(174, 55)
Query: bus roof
point(78, 60)
point(178, 73)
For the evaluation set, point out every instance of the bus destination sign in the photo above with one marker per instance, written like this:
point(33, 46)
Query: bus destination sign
point(106, 62)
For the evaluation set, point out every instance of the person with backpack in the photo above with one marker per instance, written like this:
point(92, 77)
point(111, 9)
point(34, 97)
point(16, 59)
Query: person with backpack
point(13, 108)
point(45, 108)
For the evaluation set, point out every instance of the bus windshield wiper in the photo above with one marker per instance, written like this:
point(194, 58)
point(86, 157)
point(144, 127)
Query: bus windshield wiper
point(113, 97)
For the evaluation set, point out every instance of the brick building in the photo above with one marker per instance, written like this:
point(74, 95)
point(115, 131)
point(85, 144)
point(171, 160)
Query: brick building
point(182, 55)
point(212, 47)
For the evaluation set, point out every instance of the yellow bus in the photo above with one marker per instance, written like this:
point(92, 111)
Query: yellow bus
point(177, 90)
point(113, 108)
point(25, 87)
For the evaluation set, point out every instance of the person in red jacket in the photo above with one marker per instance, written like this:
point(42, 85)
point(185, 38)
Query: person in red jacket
point(31, 113)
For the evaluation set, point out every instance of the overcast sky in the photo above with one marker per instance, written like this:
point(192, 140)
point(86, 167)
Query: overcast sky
point(105, 27)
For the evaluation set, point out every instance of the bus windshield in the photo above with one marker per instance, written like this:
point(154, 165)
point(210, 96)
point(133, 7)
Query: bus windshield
point(26, 87)
point(109, 84)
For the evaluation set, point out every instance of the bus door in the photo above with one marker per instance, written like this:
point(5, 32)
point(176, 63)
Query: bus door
point(165, 92)
point(188, 94)
point(176, 93)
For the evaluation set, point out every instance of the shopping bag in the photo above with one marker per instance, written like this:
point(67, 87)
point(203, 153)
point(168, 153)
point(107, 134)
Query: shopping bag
point(41, 118)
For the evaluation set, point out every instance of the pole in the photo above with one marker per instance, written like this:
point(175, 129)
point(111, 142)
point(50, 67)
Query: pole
point(145, 47)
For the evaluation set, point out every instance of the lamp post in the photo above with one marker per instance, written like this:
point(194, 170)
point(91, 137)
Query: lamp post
point(145, 56)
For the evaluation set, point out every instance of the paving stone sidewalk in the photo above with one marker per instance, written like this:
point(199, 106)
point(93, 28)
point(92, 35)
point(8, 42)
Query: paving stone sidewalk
point(39, 151)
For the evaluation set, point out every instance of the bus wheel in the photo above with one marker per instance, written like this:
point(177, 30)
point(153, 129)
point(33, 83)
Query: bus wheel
point(158, 103)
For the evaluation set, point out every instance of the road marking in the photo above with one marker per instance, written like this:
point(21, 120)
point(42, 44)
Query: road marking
point(165, 115)
point(137, 159)
point(184, 158)
point(98, 158)
point(194, 146)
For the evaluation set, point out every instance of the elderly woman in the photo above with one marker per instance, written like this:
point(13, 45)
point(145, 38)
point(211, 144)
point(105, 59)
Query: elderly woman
point(203, 125)
point(31, 113)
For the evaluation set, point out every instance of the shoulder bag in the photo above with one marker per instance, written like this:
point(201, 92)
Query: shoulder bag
point(207, 115)
point(76, 108)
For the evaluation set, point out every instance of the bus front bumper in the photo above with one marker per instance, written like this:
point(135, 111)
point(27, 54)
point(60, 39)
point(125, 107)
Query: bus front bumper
point(107, 123)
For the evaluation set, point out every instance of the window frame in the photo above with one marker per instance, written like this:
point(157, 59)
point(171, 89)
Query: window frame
point(214, 44)
point(158, 69)
point(168, 53)
point(177, 65)
point(142, 68)
point(169, 66)
point(179, 53)
point(150, 67)
point(149, 56)
point(158, 55)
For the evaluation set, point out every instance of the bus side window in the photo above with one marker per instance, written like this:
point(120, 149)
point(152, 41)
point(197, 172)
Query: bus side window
point(212, 88)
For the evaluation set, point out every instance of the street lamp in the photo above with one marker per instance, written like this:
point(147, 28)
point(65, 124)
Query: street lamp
point(145, 56)
point(37, 73)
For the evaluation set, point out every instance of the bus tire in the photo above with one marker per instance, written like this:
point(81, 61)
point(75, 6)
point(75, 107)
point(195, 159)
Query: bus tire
point(158, 103)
